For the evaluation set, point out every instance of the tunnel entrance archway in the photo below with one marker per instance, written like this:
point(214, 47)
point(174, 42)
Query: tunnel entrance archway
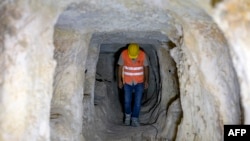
point(108, 98)
point(100, 124)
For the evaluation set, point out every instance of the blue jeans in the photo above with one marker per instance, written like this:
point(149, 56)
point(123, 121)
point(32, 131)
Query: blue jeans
point(133, 93)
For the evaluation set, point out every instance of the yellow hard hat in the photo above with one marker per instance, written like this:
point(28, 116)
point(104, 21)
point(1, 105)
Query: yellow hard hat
point(133, 50)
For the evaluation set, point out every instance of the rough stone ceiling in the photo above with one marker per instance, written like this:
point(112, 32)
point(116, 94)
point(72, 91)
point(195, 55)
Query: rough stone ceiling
point(168, 18)
point(112, 16)
point(145, 37)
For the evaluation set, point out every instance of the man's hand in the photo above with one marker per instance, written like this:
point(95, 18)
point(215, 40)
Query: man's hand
point(120, 84)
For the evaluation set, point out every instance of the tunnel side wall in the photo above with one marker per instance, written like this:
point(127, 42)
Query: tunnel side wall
point(208, 84)
point(71, 50)
point(27, 68)
point(236, 27)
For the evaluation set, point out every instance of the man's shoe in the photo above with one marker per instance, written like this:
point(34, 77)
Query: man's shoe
point(135, 122)
point(127, 119)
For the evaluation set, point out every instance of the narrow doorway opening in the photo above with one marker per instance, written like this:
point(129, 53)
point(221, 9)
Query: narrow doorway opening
point(108, 98)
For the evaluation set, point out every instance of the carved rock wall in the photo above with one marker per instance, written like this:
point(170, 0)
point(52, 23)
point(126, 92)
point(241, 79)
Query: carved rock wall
point(209, 88)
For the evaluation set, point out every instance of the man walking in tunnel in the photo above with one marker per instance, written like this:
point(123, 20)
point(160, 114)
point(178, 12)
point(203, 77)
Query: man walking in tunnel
point(133, 77)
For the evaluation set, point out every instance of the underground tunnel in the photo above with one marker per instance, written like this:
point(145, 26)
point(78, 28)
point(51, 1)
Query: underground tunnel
point(58, 74)
point(180, 95)
point(108, 99)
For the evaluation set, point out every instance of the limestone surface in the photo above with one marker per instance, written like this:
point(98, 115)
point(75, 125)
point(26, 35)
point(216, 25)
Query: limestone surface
point(49, 51)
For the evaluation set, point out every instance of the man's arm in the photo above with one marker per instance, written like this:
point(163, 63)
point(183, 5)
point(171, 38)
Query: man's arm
point(146, 72)
point(146, 75)
point(120, 83)
point(120, 71)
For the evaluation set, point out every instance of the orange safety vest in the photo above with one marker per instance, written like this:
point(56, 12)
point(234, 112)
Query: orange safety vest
point(133, 71)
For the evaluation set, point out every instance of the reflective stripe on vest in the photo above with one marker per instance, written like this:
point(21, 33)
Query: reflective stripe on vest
point(133, 73)
point(133, 68)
